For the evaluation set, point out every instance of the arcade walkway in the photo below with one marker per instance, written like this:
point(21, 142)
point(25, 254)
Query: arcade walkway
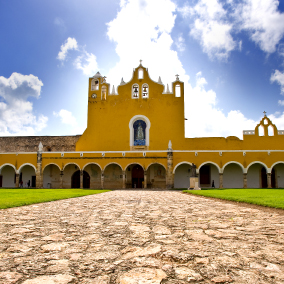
point(141, 237)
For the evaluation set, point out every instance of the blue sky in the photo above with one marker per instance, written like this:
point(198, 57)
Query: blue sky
point(230, 54)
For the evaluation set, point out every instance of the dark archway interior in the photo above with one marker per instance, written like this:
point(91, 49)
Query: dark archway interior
point(137, 176)
point(75, 180)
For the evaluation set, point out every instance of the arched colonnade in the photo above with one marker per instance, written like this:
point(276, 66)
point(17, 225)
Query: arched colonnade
point(92, 175)
point(232, 175)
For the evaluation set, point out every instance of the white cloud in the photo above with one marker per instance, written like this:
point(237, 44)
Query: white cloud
point(16, 116)
point(281, 103)
point(278, 77)
point(70, 44)
point(66, 117)
point(180, 43)
point(263, 20)
point(158, 56)
point(90, 66)
point(185, 10)
point(212, 29)
point(87, 62)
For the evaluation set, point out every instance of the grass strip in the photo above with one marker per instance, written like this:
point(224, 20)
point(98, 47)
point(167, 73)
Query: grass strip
point(15, 197)
point(269, 197)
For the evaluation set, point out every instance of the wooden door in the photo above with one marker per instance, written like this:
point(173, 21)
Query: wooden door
point(137, 176)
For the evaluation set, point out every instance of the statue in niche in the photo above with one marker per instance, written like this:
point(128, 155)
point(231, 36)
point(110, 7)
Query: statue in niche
point(140, 133)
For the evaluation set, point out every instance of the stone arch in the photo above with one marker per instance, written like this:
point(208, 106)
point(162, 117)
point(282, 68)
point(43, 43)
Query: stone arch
point(95, 172)
point(184, 162)
point(209, 172)
point(257, 175)
point(182, 173)
point(91, 163)
point(277, 175)
point(156, 175)
point(27, 173)
point(51, 164)
point(134, 175)
point(113, 163)
point(258, 162)
point(147, 130)
point(71, 164)
point(51, 176)
point(26, 164)
point(113, 176)
point(68, 172)
point(7, 175)
point(233, 175)
point(8, 164)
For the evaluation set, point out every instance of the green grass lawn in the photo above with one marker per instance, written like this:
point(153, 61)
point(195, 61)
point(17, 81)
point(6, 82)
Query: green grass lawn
point(14, 197)
point(270, 197)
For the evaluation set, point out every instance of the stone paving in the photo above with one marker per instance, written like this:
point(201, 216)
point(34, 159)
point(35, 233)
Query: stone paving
point(140, 237)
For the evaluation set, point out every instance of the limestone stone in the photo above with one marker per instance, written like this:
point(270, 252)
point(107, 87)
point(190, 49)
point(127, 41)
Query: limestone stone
point(143, 276)
point(52, 279)
point(9, 277)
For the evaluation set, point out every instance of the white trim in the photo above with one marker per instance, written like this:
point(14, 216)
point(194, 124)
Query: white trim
point(50, 165)
point(71, 164)
point(258, 162)
point(209, 162)
point(147, 132)
point(26, 164)
point(112, 164)
point(134, 164)
point(91, 163)
point(156, 164)
point(276, 163)
point(234, 162)
point(7, 164)
point(184, 162)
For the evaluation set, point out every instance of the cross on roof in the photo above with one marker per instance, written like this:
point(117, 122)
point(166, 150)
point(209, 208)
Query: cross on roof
point(177, 78)
point(140, 61)
point(264, 113)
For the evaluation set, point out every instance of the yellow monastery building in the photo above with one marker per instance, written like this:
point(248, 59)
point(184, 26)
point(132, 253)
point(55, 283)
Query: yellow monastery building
point(127, 145)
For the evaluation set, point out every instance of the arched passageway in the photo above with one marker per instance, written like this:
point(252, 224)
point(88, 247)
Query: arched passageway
point(75, 180)
point(7, 177)
point(156, 176)
point(257, 176)
point(277, 176)
point(27, 176)
point(94, 172)
point(68, 172)
point(51, 177)
point(233, 176)
point(207, 174)
point(113, 176)
point(182, 176)
point(137, 175)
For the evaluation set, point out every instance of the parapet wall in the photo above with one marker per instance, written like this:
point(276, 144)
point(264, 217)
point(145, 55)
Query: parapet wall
point(30, 143)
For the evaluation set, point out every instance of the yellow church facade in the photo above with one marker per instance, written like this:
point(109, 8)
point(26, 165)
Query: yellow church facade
point(135, 139)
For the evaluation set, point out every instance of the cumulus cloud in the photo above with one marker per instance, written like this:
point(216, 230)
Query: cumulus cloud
point(212, 29)
point(263, 21)
point(161, 60)
point(278, 77)
point(179, 42)
point(66, 117)
point(70, 44)
point(16, 115)
point(87, 62)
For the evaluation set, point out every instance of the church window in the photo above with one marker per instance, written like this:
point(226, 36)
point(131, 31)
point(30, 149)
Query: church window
point(139, 133)
point(145, 91)
point(135, 91)
point(270, 130)
point(260, 130)
point(177, 90)
point(104, 91)
point(94, 85)
point(140, 74)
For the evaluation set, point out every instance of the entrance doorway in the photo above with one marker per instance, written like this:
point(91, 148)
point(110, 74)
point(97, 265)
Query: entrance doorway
point(273, 180)
point(75, 180)
point(263, 178)
point(137, 176)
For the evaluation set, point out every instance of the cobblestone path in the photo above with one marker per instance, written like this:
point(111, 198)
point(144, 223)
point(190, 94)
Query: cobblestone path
point(140, 237)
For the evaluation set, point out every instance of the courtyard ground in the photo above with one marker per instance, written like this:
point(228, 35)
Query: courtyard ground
point(135, 237)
